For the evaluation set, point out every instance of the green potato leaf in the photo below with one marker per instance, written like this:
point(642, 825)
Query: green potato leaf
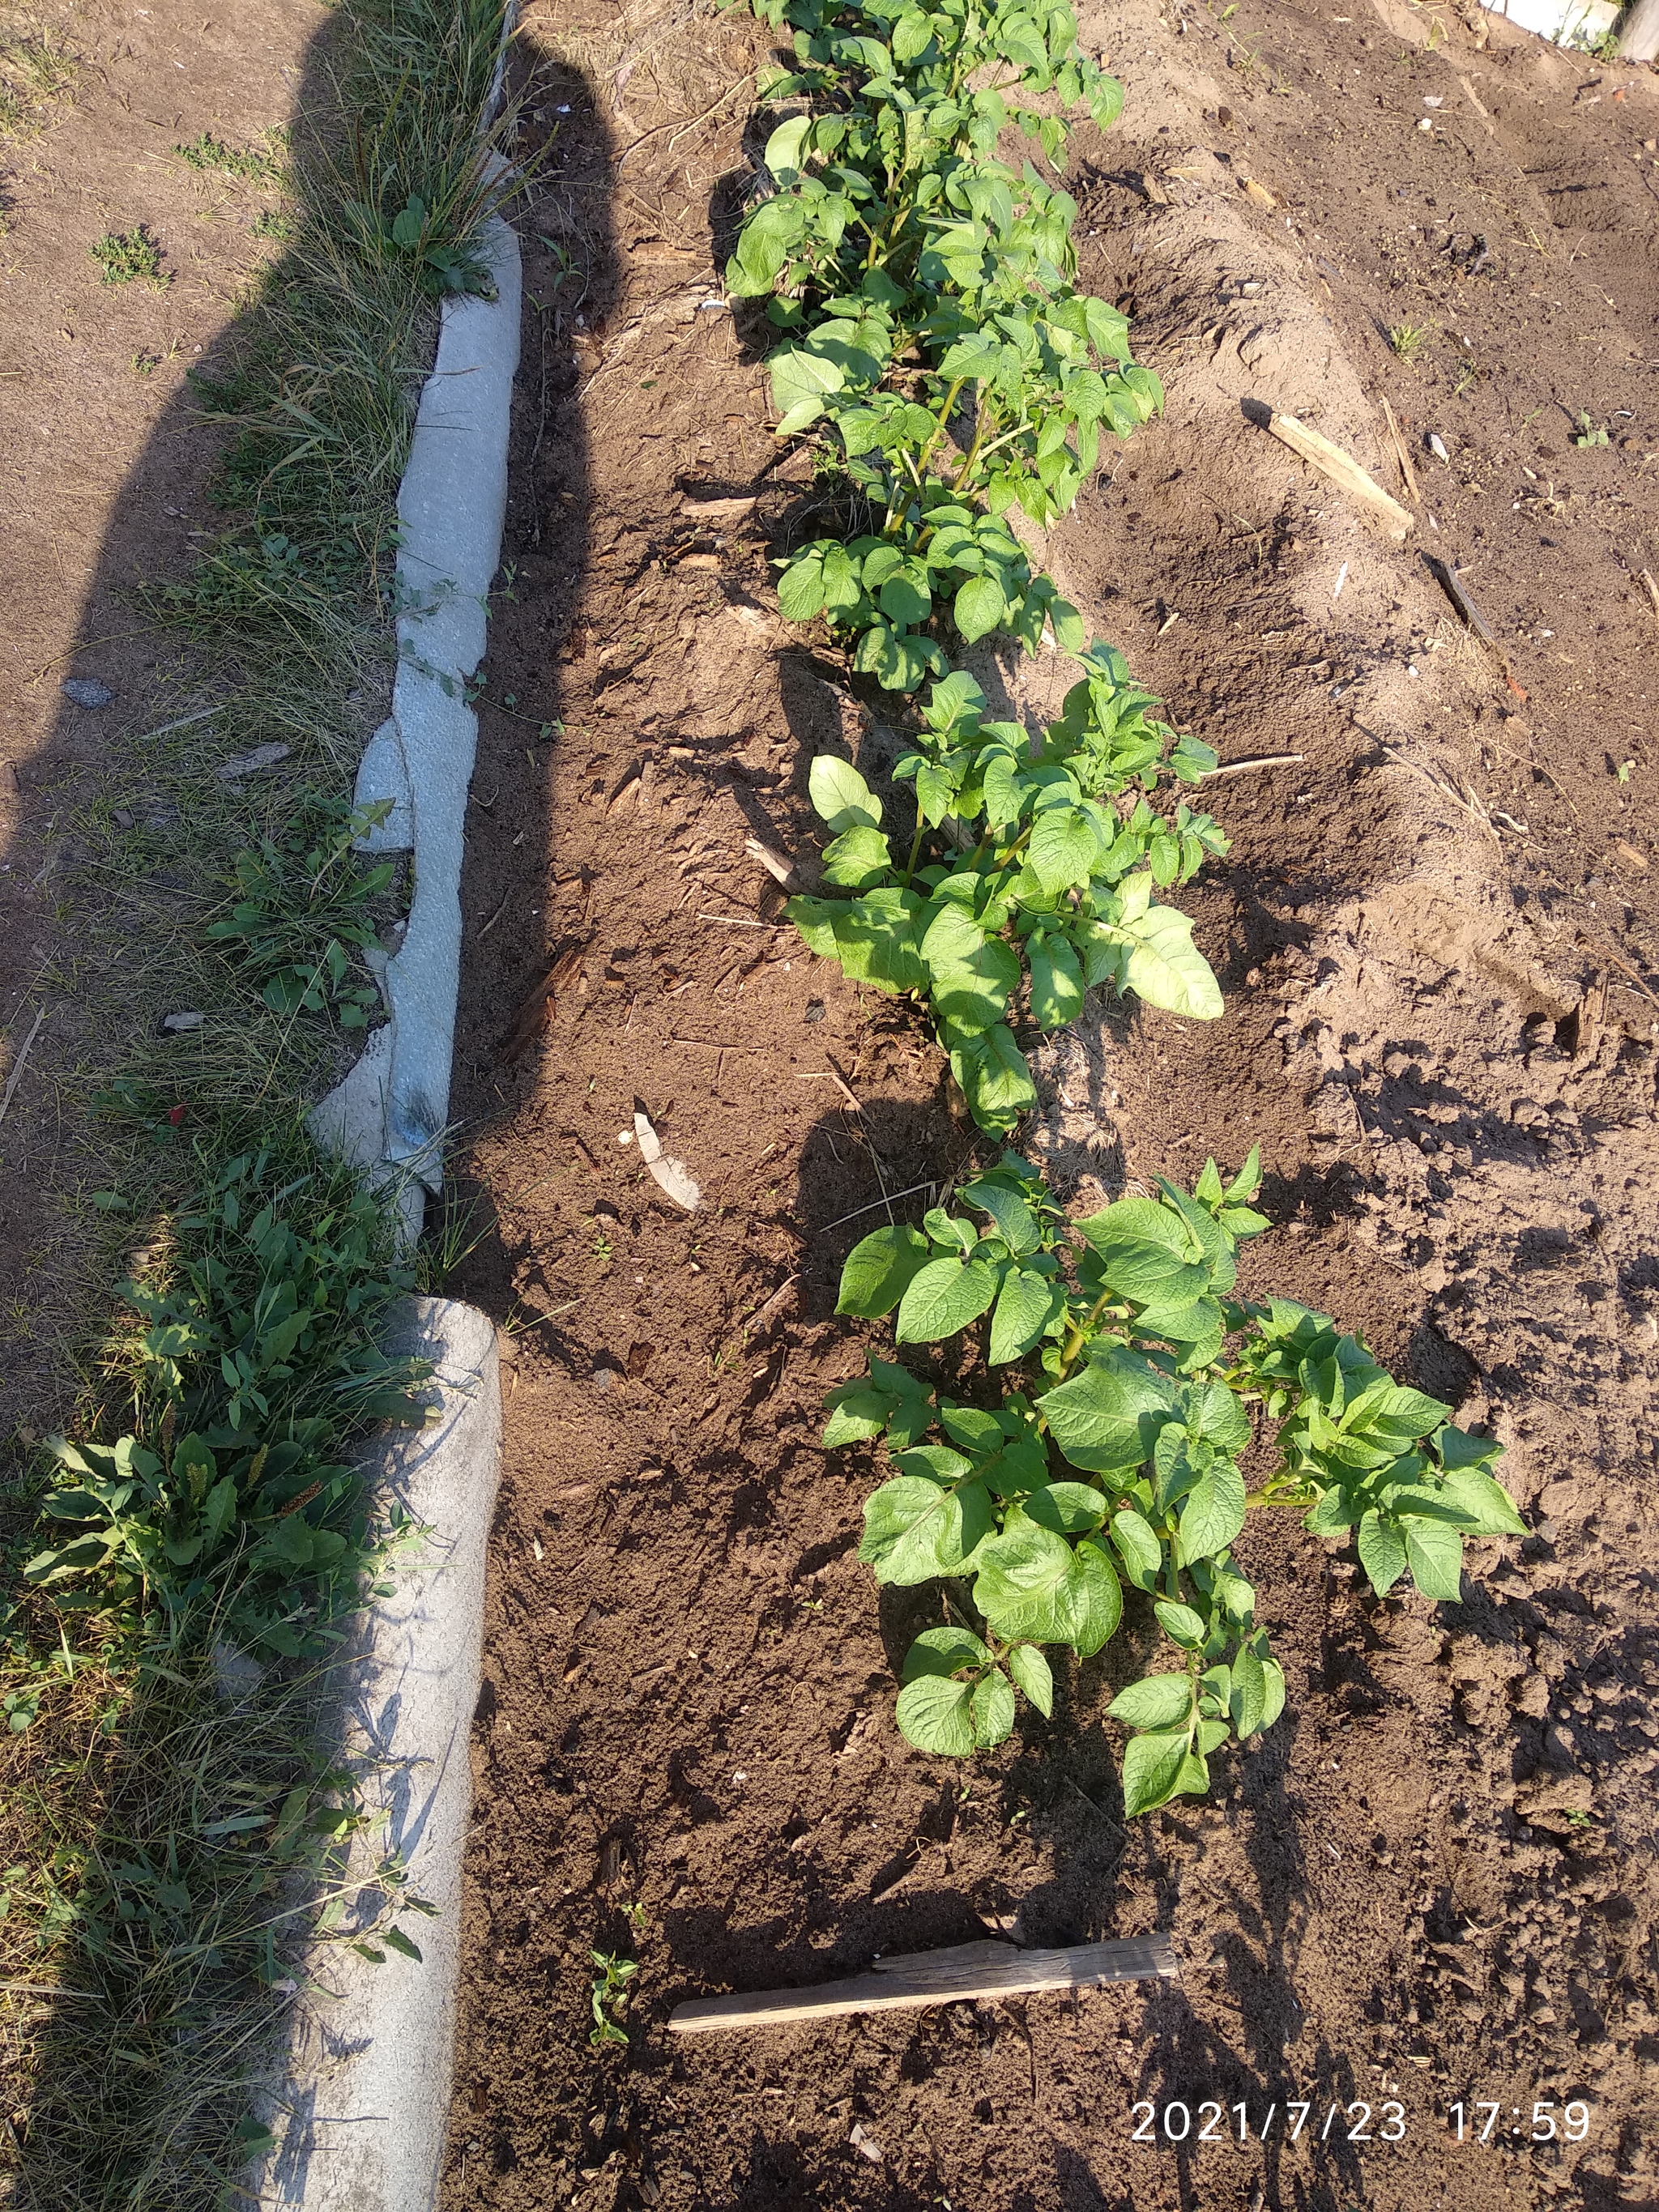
point(945, 1296)
point(979, 607)
point(1383, 1551)
point(945, 1651)
point(841, 796)
point(915, 1530)
point(1057, 988)
point(1034, 1676)
point(1212, 1513)
point(1180, 1622)
point(1434, 1553)
point(1136, 1543)
point(1027, 1306)
point(937, 1715)
point(1248, 1704)
point(1161, 1701)
point(1154, 1769)
point(991, 1706)
point(1487, 1508)
point(880, 1268)
point(992, 1073)
point(1101, 1595)
point(1106, 1418)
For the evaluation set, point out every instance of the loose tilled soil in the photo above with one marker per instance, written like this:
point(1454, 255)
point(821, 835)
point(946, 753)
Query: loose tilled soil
point(1436, 1879)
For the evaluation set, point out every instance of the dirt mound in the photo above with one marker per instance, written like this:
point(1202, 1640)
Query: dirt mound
point(1435, 932)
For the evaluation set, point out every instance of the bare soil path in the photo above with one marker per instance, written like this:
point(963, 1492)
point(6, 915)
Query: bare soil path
point(1436, 1882)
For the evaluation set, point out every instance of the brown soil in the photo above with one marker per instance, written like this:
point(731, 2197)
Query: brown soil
point(104, 464)
point(1435, 1880)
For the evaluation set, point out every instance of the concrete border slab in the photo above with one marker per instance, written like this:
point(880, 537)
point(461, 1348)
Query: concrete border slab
point(361, 2118)
point(452, 506)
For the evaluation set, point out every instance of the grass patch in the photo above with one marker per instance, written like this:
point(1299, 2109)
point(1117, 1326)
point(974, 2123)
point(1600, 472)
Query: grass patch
point(128, 257)
point(170, 1833)
point(208, 155)
point(37, 70)
point(1409, 340)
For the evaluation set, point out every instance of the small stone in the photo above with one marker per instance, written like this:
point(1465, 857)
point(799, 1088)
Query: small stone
point(87, 692)
point(175, 1025)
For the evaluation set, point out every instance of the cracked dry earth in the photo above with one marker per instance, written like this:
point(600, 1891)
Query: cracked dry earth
point(1435, 1882)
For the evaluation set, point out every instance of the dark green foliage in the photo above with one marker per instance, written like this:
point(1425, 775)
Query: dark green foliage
point(1136, 1369)
point(256, 1365)
point(303, 898)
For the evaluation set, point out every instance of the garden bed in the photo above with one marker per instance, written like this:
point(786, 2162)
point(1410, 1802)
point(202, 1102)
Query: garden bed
point(1432, 1881)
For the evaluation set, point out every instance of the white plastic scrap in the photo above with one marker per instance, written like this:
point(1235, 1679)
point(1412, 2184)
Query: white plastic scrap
point(670, 1175)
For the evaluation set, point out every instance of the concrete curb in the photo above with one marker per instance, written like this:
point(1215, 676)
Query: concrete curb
point(387, 1116)
point(361, 2118)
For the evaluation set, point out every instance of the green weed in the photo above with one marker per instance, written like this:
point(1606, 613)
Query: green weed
point(207, 154)
point(1409, 340)
point(1586, 432)
point(36, 70)
point(129, 257)
point(162, 1870)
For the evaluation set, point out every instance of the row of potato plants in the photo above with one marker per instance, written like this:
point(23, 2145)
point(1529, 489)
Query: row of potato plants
point(935, 347)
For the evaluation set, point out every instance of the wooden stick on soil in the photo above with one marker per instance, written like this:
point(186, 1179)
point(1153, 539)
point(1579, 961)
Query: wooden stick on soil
point(1367, 494)
point(1407, 473)
point(966, 1970)
point(17, 1075)
point(1262, 760)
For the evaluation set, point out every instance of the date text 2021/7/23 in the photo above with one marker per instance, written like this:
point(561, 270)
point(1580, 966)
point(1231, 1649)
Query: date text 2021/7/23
point(1482, 2120)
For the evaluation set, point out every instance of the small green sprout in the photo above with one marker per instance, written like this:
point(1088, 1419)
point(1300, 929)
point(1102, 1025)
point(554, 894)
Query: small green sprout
point(610, 1997)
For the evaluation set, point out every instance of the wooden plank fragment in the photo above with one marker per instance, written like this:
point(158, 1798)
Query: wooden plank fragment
point(966, 1970)
point(1407, 473)
point(1388, 516)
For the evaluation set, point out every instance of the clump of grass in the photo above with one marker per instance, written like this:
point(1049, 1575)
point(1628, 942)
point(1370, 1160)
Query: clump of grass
point(36, 69)
point(205, 153)
point(1409, 339)
point(129, 257)
point(219, 1832)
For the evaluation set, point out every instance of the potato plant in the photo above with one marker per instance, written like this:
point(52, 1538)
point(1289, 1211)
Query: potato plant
point(1057, 887)
point(937, 349)
point(937, 344)
point(1138, 1386)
